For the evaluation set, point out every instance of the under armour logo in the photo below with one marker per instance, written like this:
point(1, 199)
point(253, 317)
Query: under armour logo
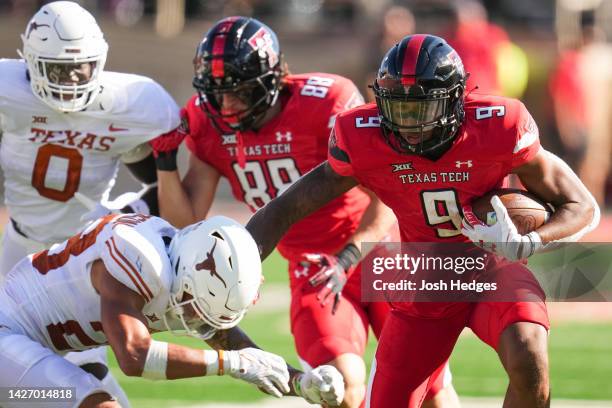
point(302, 270)
point(468, 163)
point(210, 264)
point(287, 137)
point(228, 139)
point(39, 119)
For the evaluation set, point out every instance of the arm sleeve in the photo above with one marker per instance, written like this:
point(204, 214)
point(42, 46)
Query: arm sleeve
point(133, 260)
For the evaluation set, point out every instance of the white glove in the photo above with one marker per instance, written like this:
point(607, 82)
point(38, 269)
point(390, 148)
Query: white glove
point(502, 237)
point(323, 385)
point(106, 206)
point(265, 370)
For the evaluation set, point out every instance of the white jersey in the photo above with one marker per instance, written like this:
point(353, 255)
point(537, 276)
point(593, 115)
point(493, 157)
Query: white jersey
point(47, 155)
point(49, 295)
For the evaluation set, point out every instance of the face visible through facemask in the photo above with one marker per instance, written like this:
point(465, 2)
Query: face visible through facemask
point(68, 74)
point(185, 318)
point(415, 119)
point(235, 104)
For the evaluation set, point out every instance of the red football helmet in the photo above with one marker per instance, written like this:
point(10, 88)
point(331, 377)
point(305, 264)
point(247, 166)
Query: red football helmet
point(419, 91)
point(238, 56)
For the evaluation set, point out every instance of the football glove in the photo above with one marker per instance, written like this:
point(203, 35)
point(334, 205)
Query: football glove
point(165, 147)
point(265, 370)
point(323, 385)
point(332, 270)
point(329, 272)
point(502, 237)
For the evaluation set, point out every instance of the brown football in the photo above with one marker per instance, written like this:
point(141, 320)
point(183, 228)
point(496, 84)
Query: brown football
point(527, 211)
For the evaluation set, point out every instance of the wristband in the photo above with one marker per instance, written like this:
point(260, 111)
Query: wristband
point(213, 361)
point(166, 161)
point(156, 361)
point(349, 256)
point(535, 242)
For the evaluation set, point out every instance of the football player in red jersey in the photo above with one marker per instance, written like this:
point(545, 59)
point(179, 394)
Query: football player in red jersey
point(262, 128)
point(452, 147)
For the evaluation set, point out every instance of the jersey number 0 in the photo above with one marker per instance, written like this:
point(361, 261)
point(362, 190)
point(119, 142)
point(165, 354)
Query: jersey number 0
point(41, 167)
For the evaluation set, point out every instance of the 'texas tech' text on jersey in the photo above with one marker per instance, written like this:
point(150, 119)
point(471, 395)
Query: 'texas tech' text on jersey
point(498, 134)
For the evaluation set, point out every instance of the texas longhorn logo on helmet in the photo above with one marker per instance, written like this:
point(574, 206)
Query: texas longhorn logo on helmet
point(210, 265)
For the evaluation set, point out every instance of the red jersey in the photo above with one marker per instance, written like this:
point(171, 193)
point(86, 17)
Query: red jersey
point(286, 147)
point(498, 134)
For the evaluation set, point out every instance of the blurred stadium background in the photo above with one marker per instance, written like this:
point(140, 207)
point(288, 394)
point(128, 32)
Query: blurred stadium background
point(555, 55)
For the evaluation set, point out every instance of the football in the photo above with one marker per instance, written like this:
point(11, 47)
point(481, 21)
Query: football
point(527, 211)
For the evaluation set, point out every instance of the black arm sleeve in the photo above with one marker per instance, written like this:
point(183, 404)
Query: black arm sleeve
point(145, 172)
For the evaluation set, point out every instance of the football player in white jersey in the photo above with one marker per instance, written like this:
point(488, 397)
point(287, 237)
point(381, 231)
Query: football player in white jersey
point(65, 125)
point(127, 276)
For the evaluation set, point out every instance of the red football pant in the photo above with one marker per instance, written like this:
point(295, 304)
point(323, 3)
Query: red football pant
point(321, 337)
point(414, 347)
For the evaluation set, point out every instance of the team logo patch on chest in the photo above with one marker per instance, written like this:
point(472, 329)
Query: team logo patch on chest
point(401, 167)
point(228, 139)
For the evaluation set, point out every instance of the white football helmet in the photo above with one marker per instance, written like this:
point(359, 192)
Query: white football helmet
point(217, 265)
point(65, 51)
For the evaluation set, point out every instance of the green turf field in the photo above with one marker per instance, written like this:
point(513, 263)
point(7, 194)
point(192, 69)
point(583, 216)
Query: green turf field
point(579, 358)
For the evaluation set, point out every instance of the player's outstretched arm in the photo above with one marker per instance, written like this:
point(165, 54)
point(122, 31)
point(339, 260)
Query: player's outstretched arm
point(312, 191)
point(576, 211)
point(139, 355)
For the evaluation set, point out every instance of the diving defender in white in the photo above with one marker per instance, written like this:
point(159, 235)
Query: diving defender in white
point(127, 276)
